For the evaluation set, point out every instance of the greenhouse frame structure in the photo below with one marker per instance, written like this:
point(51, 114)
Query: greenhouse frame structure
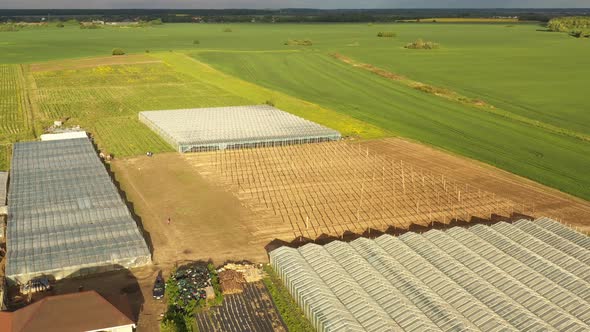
point(510, 277)
point(219, 128)
point(66, 217)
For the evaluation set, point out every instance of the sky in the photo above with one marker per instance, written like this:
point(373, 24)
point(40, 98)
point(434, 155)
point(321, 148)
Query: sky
point(260, 4)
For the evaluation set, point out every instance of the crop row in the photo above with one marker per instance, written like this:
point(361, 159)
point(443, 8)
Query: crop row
point(13, 112)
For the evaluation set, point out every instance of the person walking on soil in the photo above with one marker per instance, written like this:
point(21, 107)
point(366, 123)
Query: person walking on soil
point(168, 221)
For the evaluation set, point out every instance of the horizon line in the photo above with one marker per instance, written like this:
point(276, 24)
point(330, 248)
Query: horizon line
point(308, 8)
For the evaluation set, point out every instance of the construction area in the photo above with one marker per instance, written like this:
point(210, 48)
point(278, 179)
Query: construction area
point(336, 188)
point(66, 217)
point(209, 220)
point(526, 276)
point(206, 129)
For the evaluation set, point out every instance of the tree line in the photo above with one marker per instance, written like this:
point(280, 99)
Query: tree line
point(289, 15)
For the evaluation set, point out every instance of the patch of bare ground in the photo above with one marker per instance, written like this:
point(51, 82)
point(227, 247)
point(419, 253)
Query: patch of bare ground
point(93, 62)
point(544, 201)
point(206, 223)
point(323, 190)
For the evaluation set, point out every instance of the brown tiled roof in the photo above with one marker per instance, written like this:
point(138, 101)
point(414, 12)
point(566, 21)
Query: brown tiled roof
point(83, 311)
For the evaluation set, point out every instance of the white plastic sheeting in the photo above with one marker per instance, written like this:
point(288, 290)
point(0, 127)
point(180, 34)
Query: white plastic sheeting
point(506, 277)
point(66, 217)
point(66, 135)
point(204, 129)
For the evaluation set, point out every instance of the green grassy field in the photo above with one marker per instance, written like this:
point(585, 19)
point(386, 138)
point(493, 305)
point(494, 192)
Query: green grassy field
point(534, 82)
point(15, 120)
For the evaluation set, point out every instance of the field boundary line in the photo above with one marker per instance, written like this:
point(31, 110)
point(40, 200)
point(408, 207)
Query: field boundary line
point(456, 97)
point(212, 50)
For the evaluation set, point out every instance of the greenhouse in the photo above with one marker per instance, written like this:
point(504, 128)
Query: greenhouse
point(66, 217)
point(207, 129)
point(525, 276)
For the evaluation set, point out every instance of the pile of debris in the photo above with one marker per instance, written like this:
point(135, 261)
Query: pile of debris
point(231, 282)
point(251, 272)
point(193, 282)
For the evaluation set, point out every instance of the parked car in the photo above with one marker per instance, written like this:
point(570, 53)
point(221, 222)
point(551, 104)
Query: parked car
point(36, 285)
point(159, 288)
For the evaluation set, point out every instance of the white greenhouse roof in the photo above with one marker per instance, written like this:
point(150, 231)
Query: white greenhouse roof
point(66, 217)
point(526, 276)
point(232, 127)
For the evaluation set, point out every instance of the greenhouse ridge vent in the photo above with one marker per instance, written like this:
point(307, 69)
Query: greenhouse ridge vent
point(66, 217)
point(219, 128)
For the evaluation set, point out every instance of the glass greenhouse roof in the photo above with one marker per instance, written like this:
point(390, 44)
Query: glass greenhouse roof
point(65, 213)
point(525, 276)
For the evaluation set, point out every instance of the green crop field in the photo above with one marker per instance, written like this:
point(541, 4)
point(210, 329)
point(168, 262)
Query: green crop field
point(531, 83)
point(15, 122)
point(105, 99)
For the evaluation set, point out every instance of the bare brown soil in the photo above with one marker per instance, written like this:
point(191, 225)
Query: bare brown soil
point(542, 200)
point(206, 223)
point(331, 189)
point(92, 62)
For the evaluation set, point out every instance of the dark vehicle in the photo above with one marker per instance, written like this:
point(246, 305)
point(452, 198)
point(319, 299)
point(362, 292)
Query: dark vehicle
point(36, 285)
point(159, 287)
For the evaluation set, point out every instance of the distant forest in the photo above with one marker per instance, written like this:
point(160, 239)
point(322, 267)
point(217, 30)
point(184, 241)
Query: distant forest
point(280, 15)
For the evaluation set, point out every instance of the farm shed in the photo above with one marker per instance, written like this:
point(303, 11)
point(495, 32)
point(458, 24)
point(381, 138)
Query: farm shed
point(66, 217)
point(206, 129)
point(516, 277)
point(83, 311)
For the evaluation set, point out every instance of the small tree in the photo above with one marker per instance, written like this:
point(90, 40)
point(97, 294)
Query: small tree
point(60, 25)
point(196, 42)
point(118, 51)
